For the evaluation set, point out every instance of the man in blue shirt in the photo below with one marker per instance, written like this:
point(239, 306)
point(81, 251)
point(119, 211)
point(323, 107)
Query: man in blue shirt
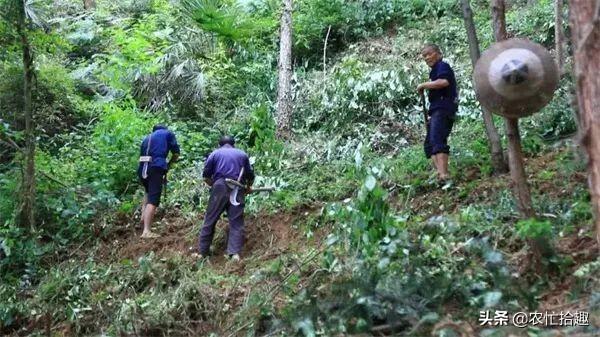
point(225, 162)
point(152, 169)
point(443, 104)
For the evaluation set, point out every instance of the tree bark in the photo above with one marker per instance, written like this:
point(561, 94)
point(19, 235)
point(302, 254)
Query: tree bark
point(558, 35)
point(26, 216)
point(499, 20)
point(89, 4)
point(284, 94)
point(585, 25)
point(471, 31)
point(498, 163)
point(517, 170)
point(515, 155)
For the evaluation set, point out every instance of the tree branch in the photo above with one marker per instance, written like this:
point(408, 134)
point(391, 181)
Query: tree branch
point(15, 146)
point(12, 144)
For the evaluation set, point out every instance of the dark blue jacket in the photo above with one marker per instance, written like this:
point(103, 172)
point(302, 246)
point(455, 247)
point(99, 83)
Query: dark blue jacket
point(445, 98)
point(227, 162)
point(163, 141)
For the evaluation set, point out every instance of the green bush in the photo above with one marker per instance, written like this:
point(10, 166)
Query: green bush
point(11, 307)
point(355, 92)
point(351, 20)
point(110, 154)
point(8, 189)
point(532, 22)
point(57, 106)
point(556, 120)
point(533, 229)
point(22, 252)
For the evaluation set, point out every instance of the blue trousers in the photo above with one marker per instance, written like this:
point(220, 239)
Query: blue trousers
point(438, 130)
point(218, 202)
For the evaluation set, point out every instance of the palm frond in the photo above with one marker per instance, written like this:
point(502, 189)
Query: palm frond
point(180, 79)
point(176, 71)
point(228, 21)
point(34, 13)
point(179, 82)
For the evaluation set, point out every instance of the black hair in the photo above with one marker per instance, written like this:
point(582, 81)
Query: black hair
point(226, 140)
point(158, 127)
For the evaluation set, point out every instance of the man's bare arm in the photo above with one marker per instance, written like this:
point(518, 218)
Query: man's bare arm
point(437, 84)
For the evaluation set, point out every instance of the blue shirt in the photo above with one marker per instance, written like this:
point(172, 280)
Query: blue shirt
point(227, 162)
point(163, 141)
point(445, 98)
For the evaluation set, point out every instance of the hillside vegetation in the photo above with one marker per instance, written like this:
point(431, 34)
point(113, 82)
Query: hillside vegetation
point(357, 240)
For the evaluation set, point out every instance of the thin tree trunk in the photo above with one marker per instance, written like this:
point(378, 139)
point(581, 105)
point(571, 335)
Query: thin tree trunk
point(284, 94)
point(515, 155)
point(517, 170)
point(499, 20)
point(585, 25)
point(498, 163)
point(325, 52)
point(27, 214)
point(89, 4)
point(558, 35)
point(471, 31)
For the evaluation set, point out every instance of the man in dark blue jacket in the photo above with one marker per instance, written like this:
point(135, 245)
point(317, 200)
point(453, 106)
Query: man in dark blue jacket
point(152, 170)
point(225, 162)
point(443, 104)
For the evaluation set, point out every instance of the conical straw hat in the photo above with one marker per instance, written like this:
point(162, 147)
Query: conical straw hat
point(515, 78)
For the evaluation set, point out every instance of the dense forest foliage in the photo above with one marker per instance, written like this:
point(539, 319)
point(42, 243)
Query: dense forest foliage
point(357, 239)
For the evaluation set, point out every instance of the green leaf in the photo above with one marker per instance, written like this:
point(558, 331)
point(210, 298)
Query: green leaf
point(383, 263)
point(307, 327)
point(358, 156)
point(370, 183)
point(331, 239)
point(492, 298)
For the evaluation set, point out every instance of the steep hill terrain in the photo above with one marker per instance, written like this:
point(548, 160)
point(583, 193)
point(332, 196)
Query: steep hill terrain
point(359, 238)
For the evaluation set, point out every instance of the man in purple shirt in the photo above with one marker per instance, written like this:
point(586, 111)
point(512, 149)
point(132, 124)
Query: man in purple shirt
point(225, 162)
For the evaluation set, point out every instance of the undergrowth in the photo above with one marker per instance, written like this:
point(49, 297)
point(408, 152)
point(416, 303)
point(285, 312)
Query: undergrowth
point(375, 246)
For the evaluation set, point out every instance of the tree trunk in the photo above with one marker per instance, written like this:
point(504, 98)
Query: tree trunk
point(284, 94)
point(89, 4)
point(558, 34)
point(471, 31)
point(517, 170)
point(497, 155)
point(585, 25)
point(26, 216)
point(499, 20)
point(515, 155)
point(325, 53)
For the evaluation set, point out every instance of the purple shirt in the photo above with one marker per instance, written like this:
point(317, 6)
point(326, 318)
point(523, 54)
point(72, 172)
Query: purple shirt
point(227, 162)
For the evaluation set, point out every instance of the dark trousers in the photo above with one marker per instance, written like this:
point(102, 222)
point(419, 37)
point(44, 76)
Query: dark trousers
point(438, 130)
point(218, 202)
point(153, 184)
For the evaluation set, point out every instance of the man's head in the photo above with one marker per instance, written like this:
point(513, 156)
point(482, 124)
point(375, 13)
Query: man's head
point(158, 127)
point(226, 140)
point(431, 53)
